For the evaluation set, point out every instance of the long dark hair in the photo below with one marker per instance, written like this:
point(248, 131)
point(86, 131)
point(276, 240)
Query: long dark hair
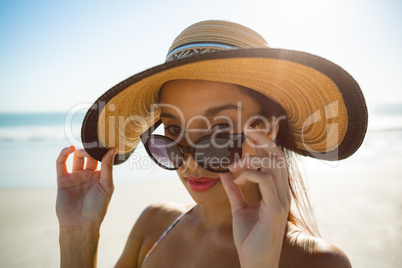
point(301, 213)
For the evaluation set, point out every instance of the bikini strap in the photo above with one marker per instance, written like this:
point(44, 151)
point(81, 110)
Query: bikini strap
point(164, 234)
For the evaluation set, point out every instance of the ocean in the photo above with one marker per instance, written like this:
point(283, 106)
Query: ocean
point(30, 144)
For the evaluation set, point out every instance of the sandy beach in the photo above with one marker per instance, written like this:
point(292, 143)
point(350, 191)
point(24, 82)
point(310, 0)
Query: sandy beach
point(29, 227)
point(357, 206)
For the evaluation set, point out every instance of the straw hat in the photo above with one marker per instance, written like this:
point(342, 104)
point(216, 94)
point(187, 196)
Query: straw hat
point(325, 107)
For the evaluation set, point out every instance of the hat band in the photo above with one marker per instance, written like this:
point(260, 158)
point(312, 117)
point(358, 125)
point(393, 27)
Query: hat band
point(192, 49)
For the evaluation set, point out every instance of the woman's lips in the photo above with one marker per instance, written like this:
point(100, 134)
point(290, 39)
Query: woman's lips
point(201, 184)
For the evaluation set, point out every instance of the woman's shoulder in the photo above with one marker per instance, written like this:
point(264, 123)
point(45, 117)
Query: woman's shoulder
point(152, 222)
point(312, 251)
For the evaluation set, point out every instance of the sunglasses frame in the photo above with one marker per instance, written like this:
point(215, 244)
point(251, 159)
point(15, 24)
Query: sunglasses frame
point(147, 135)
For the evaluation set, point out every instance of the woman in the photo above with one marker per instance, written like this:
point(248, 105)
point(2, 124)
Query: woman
point(234, 112)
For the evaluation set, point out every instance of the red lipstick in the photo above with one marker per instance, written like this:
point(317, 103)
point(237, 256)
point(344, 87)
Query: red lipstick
point(201, 184)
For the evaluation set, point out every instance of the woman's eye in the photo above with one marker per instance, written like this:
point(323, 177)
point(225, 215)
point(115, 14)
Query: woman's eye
point(173, 131)
point(220, 127)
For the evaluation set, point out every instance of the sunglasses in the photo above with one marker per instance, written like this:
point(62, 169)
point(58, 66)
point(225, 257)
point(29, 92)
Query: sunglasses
point(213, 152)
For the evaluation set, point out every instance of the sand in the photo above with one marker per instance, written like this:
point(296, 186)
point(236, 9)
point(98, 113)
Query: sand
point(358, 208)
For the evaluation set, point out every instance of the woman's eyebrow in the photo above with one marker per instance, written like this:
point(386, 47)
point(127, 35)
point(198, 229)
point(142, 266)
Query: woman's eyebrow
point(214, 110)
point(209, 112)
point(168, 115)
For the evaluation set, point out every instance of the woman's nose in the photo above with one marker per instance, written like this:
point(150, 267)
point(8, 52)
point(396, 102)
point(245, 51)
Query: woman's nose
point(189, 162)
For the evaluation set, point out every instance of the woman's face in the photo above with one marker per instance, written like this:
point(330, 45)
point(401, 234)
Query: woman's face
point(199, 108)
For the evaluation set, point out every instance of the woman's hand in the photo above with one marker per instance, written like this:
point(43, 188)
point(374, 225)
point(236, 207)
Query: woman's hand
point(82, 200)
point(259, 229)
point(84, 194)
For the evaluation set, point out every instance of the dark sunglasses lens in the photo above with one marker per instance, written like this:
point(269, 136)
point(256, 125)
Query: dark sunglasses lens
point(165, 152)
point(217, 153)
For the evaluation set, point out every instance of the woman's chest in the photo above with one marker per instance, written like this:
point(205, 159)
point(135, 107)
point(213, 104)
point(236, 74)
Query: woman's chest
point(179, 250)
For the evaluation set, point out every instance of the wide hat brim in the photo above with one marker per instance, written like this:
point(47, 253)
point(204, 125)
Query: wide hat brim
point(324, 105)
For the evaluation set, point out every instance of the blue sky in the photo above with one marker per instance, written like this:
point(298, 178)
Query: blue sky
point(55, 55)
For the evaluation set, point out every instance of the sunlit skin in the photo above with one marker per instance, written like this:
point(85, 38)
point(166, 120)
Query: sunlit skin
point(239, 222)
point(212, 217)
point(210, 95)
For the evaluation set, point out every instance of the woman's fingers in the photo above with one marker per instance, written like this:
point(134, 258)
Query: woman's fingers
point(236, 197)
point(91, 164)
point(265, 163)
point(79, 159)
point(262, 143)
point(270, 159)
point(274, 167)
point(106, 177)
point(265, 183)
point(61, 165)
